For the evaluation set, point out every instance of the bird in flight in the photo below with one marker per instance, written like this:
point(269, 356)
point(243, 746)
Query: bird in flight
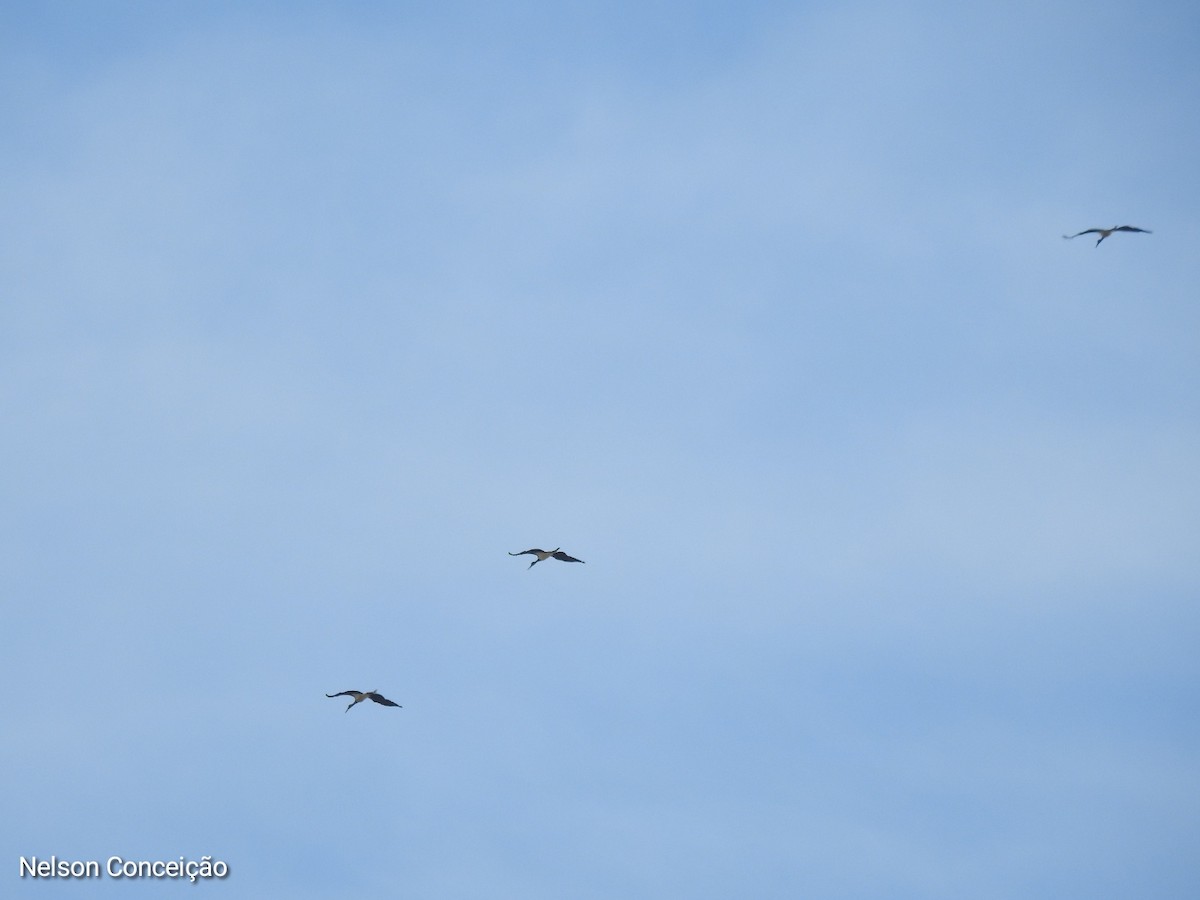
point(1105, 232)
point(360, 696)
point(546, 554)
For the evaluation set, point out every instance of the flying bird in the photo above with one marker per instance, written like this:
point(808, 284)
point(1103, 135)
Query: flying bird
point(1105, 232)
point(360, 696)
point(546, 554)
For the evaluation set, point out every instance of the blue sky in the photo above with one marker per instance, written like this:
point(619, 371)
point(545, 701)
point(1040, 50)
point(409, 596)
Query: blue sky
point(888, 495)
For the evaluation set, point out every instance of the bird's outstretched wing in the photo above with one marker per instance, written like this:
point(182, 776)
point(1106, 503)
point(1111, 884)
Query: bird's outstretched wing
point(565, 558)
point(1131, 228)
point(343, 694)
point(535, 551)
point(379, 698)
point(1089, 231)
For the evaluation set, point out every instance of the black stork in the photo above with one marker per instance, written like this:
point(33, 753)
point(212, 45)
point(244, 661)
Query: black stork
point(360, 696)
point(546, 554)
point(1105, 232)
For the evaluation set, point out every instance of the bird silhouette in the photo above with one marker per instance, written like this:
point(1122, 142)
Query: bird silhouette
point(1105, 232)
point(546, 554)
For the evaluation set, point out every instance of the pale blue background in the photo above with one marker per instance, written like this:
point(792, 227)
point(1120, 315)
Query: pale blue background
point(889, 496)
